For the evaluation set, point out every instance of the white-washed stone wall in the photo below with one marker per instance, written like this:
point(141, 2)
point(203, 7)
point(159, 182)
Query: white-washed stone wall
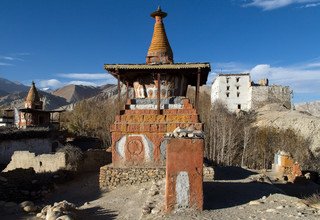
point(35, 145)
point(238, 92)
point(233, 90)
point(40, 163)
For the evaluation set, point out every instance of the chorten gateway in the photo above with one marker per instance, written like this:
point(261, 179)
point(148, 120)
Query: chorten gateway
point(159, 106)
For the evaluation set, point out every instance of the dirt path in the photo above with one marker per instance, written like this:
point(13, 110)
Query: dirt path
point(235, 194)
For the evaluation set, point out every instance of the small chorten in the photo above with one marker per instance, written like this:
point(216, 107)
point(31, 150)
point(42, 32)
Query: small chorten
point(33, 99)
point(159, 51)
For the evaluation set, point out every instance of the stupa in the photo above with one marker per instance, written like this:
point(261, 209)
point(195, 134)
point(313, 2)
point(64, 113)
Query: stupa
point(158, 106)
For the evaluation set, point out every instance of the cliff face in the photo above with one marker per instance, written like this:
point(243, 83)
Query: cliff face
point(310, 107)
point(303, 123)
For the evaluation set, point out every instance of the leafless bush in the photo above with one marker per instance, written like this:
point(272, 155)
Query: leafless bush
point(74, 156)
point(314, 199)
point(92, 119)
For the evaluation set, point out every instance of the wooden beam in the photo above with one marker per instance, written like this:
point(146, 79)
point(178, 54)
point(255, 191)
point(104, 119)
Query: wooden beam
point(197, 89)
point(119, 91)
point(158, 94)
point(127, 93)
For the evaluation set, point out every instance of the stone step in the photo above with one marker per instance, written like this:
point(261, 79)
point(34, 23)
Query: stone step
point(171, 100)
point(154, 106)
point(153, 118)
point(138, 128)
point(184, 111)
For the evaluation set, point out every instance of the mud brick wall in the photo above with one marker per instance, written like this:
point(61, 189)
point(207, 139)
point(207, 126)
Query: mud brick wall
point(138, 134)
point(111, 177)
point(184, 177)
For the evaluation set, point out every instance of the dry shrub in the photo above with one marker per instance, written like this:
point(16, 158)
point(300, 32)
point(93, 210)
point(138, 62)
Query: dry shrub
point(92, 119)
point(74, 156)
point(313, 200)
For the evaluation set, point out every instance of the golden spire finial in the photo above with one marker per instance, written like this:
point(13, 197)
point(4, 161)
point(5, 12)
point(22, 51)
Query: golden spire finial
point(159, 51)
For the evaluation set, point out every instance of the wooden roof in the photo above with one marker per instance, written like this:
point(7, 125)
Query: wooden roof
point(130, 72)
point(175, 66)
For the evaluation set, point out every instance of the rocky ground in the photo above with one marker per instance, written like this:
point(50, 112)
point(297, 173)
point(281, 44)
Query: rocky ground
point(234, 194)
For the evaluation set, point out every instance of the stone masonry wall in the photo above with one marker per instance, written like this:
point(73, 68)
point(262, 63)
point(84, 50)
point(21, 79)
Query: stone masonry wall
point(138, 134)
point(92, 161)
point(35, 145)
point(184, 177)
point(40, 163)
point(261, 95)
point(111, 177)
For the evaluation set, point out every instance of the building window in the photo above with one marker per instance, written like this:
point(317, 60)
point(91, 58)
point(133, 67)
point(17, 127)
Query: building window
point(239, 106)
point(227, 79)
point(237, 79)
point(228, 88)
point(227, 94)
point(238, 87)
point(238, 94)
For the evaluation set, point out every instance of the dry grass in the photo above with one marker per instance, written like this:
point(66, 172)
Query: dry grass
point(313, 200)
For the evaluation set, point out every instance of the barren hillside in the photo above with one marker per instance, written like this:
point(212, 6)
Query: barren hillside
point(3, 93)
point(75, 93)
point(10, 87)
point(279, 117)
point(310, 107)
point(17, 100)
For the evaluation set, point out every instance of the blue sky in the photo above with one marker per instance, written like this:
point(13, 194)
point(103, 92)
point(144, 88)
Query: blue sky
point(59, 42)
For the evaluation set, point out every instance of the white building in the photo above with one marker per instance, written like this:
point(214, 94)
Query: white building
point(233, 89)
point(238, 92)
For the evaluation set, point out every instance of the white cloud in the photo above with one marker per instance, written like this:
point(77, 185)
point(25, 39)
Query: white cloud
point(227, 67)
point(84, 83)
point(314, 65)
point(51, 83)
point(87, 76)
point(299, 77)
point(5, 64)
point(89, 79)
point(230, 67)
point(10, 58)
point(22, 54)
point(274, 4)
point(311, 5)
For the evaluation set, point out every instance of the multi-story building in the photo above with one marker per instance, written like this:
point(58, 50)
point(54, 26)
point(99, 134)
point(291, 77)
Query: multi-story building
point(239, 92)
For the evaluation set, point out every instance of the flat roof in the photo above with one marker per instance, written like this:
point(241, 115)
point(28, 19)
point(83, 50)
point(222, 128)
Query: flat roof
point(233, 74)
point(130, 72)
point(157, 66)
point(30, 110)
